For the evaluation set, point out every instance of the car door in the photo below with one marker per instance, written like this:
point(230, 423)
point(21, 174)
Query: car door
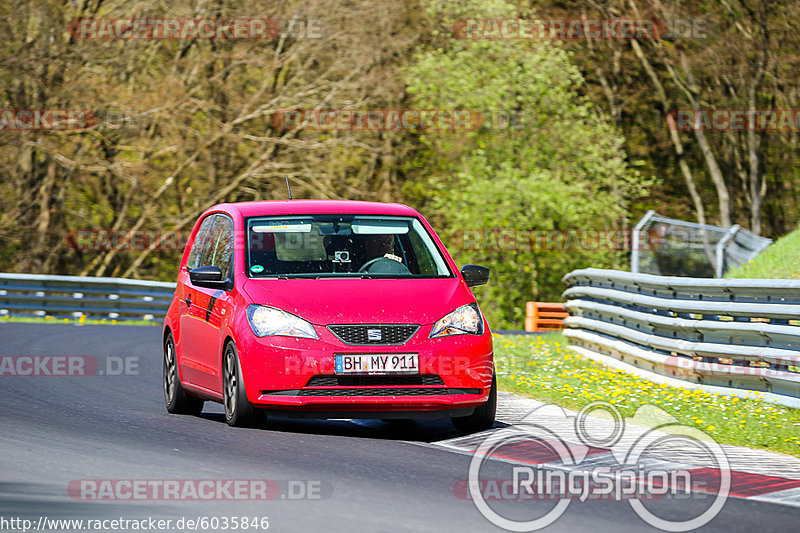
point(216, 303)
point(192, 310)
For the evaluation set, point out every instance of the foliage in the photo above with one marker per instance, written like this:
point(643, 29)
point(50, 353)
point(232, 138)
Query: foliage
point(555, 164)
point(778, 261)
point(188, 123)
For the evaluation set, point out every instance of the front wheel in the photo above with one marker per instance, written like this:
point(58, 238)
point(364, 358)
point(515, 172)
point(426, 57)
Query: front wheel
point(483, 417)
point(175, 397)
point(239, 412)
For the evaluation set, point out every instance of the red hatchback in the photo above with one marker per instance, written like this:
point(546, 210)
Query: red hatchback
point(326, 309)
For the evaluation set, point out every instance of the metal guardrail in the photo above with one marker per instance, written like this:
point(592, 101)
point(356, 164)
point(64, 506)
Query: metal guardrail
point(726, 332)
point(742, 333)
point(73, 296)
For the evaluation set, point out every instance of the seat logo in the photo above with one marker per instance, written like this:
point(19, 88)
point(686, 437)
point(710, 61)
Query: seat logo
point(374, 335)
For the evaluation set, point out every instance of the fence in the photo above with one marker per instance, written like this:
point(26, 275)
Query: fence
point(662, 245)
point(73, 296)
point(741, 333)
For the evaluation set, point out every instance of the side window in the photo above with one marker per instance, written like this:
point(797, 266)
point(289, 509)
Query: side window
point(219, 252)
point(197, 248)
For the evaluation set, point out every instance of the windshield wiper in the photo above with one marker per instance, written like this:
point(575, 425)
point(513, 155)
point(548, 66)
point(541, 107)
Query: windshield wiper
point(340, 275)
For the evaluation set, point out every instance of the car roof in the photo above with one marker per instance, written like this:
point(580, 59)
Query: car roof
point(308, 207)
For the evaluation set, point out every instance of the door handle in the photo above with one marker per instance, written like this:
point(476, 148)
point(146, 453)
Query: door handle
point(188, 302)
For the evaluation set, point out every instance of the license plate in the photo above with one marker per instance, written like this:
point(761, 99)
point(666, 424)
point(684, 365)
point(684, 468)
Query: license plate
point(361, 363)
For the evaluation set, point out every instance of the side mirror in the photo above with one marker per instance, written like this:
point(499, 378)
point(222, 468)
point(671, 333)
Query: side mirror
point(209, 277)
point(475, 275)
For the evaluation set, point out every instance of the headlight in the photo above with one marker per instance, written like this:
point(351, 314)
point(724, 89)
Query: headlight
point(465, 319)
point(270, 321)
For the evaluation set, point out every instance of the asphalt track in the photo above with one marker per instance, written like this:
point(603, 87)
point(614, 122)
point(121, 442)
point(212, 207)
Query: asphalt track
point(371, 476)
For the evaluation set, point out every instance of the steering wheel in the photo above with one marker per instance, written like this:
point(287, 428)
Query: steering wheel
point(365, 267)
point(384, 265)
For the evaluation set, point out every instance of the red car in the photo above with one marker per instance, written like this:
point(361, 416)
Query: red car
point(326, 309)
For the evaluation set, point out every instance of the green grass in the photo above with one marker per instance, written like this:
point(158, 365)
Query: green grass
point(781, 260)
point(543, 367)
point(78, 321)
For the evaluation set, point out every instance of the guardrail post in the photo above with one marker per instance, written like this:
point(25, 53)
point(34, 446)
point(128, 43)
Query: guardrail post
point(635, 245)
point(720, 251)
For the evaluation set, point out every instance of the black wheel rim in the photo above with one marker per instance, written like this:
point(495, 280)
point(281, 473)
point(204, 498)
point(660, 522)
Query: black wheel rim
point(231, 384)
point(170, 371)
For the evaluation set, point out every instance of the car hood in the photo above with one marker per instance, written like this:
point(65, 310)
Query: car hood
point(362, 301)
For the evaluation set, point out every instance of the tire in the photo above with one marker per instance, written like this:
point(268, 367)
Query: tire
point(175, 397)
point(483, 417)
point(239, 412)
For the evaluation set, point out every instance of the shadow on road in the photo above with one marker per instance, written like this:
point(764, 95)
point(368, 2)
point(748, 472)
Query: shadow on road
point(407, 430)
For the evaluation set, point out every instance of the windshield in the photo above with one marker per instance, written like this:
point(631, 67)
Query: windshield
point(341, 246)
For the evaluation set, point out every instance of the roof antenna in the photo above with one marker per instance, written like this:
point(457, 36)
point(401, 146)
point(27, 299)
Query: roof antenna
point(287, 187)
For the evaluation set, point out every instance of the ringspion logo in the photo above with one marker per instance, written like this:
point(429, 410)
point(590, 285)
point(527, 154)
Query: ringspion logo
point(567, 450)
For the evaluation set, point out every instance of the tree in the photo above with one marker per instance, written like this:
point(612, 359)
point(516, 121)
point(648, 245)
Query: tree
point(545, 160)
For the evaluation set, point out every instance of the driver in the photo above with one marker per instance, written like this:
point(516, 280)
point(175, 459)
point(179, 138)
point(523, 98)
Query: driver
point(380, 246)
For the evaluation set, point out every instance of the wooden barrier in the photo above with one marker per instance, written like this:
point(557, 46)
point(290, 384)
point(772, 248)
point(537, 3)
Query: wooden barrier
point(544, 316)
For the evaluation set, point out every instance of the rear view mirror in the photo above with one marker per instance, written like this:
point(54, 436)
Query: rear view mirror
point(209, 277)
point(475, 275)
point(335, 228)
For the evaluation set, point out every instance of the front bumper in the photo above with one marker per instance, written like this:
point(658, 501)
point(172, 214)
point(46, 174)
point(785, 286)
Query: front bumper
point(276, 373)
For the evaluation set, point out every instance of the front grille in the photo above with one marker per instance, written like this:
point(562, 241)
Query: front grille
point(374, 381)
point(375, 334)
point(386, 391)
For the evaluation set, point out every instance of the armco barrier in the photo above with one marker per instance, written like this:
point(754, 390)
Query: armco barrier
point(742, 333)
point(73, 296)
